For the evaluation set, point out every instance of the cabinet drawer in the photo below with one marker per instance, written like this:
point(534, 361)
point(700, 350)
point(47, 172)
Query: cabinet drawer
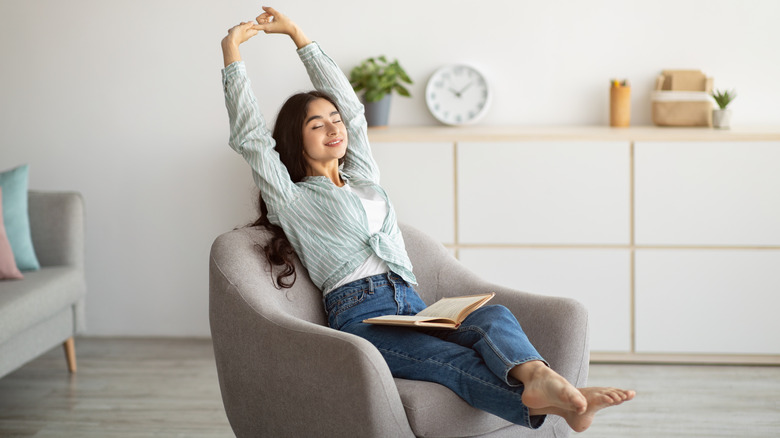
point(544, 192)
point(598, 278)
point(708, 193)
point(708, 301)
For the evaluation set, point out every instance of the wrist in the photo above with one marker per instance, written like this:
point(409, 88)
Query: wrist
point(230, 52)
point(229, 44)
point(299, 38)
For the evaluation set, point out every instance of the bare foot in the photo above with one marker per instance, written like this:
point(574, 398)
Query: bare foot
point(598, 399)
point(546, 388)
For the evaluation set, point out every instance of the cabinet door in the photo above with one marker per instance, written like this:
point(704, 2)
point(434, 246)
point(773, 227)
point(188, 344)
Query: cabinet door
point(598, 278)
point(708, 301)
point(708, 193)
point(420, 180)
point(544, 192)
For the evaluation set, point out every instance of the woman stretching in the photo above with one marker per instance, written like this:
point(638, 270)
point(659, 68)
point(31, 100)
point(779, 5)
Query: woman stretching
point(320, 195)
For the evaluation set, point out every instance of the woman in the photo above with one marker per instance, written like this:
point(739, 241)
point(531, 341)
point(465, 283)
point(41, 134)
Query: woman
point(320, 189)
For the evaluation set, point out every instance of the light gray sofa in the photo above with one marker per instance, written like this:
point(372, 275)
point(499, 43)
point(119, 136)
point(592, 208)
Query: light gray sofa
point(283, 372)
point(46, 308)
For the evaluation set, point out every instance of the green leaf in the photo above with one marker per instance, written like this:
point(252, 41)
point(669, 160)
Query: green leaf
point(402, 91)
point(378, 77)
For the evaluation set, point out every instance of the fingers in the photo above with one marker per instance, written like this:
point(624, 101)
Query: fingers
point(242, 32)
point(264, 18)
point(274, 20)
point(271, 11)
point(268, 16)
point(243, 26)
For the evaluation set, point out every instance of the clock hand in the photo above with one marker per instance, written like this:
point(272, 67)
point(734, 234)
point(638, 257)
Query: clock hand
point(456, 93)
point(465, 88)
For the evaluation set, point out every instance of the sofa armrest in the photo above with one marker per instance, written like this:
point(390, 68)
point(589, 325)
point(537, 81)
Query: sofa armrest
point(57, 227)
point(323, 374)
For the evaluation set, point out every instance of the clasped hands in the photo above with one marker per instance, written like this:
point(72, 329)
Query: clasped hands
point(270, 21)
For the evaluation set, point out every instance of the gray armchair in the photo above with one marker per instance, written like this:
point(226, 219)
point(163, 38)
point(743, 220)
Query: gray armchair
point(283, 372)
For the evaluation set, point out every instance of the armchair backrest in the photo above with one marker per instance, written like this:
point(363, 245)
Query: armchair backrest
point(240, 258)
point(239, 253)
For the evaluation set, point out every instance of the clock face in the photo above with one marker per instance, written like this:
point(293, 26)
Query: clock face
point(457, 94)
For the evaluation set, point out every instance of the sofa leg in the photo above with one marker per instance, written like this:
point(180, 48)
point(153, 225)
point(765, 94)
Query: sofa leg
point(70, 354)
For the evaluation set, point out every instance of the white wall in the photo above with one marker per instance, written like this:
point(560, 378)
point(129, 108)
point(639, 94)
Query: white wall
point(122, 101)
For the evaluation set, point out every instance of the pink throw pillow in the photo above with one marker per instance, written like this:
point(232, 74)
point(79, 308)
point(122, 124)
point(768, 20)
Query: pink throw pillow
point(8, 269)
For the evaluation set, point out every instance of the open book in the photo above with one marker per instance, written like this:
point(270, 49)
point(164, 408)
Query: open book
point(445, 313)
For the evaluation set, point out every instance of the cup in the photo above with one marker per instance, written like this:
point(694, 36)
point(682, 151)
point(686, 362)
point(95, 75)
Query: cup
point(619, 105)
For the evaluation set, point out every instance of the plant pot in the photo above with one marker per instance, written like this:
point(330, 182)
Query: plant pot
point(721, 118)
point(377, 113)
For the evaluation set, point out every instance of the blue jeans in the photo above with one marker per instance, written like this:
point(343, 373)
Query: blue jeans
point(473, 361)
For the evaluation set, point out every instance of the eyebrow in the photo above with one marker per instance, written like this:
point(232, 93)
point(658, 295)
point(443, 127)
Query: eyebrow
point(334, 113)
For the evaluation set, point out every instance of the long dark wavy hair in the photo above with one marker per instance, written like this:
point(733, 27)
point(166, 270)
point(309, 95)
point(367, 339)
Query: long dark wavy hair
point(288, 134)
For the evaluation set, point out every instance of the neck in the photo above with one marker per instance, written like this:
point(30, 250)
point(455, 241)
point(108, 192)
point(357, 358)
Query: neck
point(330, 170)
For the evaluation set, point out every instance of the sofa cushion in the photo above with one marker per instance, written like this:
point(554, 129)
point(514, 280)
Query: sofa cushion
point(16, 217)
point(40, 295)
point(8, 269)
point(423, 401)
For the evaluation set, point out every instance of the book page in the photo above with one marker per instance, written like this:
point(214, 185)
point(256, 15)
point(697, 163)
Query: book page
point(452, 307)
point(407, 318)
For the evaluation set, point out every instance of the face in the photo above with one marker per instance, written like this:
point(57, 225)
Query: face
point(324, 135)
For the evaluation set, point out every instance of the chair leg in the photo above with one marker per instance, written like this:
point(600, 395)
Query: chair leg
point(70, 354)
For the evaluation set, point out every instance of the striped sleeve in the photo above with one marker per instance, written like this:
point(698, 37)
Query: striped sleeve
point(327, 77)
point(250, 137)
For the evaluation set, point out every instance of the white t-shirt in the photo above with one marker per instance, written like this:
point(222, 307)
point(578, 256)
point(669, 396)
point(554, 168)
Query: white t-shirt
point(376, 211)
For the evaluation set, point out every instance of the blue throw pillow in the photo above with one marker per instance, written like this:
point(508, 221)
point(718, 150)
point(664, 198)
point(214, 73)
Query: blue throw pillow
point(16, 218)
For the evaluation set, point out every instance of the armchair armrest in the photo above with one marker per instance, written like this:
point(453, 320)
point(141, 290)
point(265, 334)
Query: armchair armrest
point(324, 372)
point(557, 326)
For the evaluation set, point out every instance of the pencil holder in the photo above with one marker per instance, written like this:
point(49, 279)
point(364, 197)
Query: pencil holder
point(619, 106)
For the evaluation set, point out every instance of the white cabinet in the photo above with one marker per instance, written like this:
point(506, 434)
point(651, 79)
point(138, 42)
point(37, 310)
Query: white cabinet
point(670, 237)
point(598, 278)
point(708, 193)
point(544, 193)
point(420, 180)
point(707, 301)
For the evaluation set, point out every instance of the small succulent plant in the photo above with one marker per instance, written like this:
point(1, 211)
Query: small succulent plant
point(723, 98)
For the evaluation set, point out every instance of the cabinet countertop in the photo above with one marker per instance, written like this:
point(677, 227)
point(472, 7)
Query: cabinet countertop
point(569, 133)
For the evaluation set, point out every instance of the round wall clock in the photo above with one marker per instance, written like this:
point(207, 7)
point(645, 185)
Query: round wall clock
point(457, 94)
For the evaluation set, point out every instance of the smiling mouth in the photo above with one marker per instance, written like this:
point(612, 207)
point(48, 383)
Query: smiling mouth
point(334, 143)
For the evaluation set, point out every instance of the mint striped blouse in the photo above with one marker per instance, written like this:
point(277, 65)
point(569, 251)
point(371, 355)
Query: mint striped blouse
point(327, 226)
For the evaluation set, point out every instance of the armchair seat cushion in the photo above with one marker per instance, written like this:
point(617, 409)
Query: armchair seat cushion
point(38, 297)
point(423, 402)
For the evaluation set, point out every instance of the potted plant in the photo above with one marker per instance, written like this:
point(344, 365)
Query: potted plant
point(721, 118)
point(378, 78)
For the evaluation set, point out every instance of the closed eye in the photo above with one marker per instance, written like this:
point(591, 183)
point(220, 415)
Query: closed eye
point(335, 122)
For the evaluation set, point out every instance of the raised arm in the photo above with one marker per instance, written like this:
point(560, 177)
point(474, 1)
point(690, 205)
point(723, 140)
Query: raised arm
point(326, 76)
point(249, 134)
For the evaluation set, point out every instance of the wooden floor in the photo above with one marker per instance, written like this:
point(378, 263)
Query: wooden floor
point(168, 388)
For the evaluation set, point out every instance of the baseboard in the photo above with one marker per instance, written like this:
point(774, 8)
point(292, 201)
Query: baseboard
point(685, 359)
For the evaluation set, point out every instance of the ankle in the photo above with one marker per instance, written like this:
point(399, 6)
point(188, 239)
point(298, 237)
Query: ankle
point(528, 371)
